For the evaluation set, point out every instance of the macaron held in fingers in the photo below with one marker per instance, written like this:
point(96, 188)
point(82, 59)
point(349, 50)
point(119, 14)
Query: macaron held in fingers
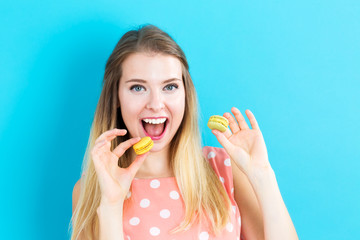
point(218, 122)
point(143, 146)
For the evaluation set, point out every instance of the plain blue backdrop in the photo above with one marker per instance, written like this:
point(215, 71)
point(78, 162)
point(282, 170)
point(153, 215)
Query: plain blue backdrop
point(294, 64)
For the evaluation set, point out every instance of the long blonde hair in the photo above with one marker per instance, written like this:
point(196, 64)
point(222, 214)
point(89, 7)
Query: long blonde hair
point(203, 194)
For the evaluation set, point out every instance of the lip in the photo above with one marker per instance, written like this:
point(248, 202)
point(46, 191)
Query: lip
point(158, 137)
point(153, 118)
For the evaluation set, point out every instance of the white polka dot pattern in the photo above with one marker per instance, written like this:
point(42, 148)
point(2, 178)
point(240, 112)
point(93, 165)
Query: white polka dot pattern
point(134, 221)
point(155, 183)
point(204, 236)
point(211, 155)
point(165, 213)
point(174, 195)
point(145, 203)
point(227, 162)
point(154, 231)
point(229, 227)
point(128, 195)
point(234, 209)
point(154, 206)
point(222, 179)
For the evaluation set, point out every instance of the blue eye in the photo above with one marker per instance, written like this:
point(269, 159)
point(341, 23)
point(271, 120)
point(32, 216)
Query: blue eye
point(136, 88)
point(171, 87)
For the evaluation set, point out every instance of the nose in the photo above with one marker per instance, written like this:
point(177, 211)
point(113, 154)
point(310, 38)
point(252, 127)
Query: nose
point(156, 101)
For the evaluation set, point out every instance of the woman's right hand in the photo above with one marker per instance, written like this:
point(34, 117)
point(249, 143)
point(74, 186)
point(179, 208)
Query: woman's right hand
point(114, 181)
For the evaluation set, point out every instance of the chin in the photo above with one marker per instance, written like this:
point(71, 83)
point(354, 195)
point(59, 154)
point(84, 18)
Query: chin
point(158, 147)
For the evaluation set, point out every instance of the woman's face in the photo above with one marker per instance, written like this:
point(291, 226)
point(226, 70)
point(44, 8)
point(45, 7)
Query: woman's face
point(152, 97)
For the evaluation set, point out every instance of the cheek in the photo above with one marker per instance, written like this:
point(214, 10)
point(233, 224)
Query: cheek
point(177, 107)
point(128, 109)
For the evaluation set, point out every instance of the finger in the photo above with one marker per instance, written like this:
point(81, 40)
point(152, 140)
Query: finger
point(99, 144)
point(111, 134)
point(122, 147)
point(239, 117)
point(105, 144)
point(234, 126)
point(227, 133)
point(136, 164)
point(96, 148)
point(223, 140)
point(252, 119)
point(95, 155)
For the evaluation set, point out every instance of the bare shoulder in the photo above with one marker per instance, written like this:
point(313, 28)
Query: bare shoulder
point(75, 198)
point(76, 194)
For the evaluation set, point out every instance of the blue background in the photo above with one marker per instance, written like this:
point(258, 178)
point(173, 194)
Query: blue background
point(295, 64)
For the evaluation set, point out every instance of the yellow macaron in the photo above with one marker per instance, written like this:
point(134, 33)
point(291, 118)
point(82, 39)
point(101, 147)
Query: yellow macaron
point(143, 146)
point(218, 122)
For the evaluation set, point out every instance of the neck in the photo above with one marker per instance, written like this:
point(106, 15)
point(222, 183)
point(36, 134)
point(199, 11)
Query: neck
point(156, 164)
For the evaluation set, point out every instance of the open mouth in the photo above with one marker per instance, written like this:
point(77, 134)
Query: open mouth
point(154, 128)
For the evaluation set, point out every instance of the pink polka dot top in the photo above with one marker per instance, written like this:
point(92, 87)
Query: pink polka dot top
point(156, 206)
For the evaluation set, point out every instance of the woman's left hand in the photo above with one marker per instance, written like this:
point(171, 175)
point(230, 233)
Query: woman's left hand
point(245, 146)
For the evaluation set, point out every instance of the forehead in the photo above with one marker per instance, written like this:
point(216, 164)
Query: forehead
point(151, 67)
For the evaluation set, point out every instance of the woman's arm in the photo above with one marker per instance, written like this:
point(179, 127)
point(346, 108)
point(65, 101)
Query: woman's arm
point(262, 208)
point(114, 181)
point(252, 223)
point(110, 217)
point(246, 147)
point(277, 221)
point(110, 221)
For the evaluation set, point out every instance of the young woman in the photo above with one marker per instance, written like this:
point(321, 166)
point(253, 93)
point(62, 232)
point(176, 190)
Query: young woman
point(179, 189)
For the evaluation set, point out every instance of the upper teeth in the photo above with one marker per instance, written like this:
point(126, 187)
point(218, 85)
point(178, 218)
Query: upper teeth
point(155, 121)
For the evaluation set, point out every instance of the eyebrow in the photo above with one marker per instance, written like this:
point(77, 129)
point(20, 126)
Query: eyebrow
point(144, 81)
